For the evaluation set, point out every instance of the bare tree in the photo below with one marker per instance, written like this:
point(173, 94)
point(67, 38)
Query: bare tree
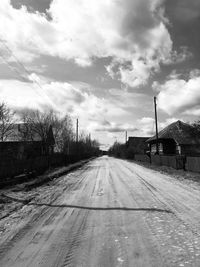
point(63, 133)
point(37, 125)
point(6, 122)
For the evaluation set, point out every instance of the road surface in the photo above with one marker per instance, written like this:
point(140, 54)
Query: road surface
point(111, 213)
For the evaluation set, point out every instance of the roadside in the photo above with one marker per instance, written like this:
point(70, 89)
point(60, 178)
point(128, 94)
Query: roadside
point(14, 200)
point(109, 212)
point(189, 178)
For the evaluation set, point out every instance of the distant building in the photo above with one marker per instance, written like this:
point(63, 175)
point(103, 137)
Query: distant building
point(21, 144)
point(137, 145)
point(178, 138)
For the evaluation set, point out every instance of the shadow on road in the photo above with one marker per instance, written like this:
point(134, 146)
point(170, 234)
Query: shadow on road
point(28, 202)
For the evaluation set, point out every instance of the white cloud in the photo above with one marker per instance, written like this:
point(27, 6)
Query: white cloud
point(131, 32)
point(147, 125)
point(59, 96)
point(113, 127)
point(137, 75)
point(180, 56)
point(62, 97)
point(179, 95)
point(167, 122)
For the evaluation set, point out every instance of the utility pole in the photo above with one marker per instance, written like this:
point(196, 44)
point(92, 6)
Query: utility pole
point(77, 131)
point(90, 138)
point(156, 120)
point(125, 137)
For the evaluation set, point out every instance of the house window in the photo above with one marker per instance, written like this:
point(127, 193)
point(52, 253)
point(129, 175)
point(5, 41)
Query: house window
point(154, 149)
point(160, 148)
point(178, 149)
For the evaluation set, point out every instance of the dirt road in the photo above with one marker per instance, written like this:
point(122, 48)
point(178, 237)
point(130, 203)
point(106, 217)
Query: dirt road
point(110, 213)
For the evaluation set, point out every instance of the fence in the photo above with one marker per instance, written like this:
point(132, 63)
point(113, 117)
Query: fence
point(143, 158)
point(193, 164)
point(17, 167)
point(9, 169)
point(176, 162)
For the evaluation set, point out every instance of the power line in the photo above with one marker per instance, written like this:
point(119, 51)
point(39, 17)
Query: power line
point(11, 66)
point(19, 74)
point(25, 70)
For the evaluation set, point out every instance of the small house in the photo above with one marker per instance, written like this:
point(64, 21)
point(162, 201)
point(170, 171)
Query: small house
point(178, 138)
point(137, 145)
point(20, 144)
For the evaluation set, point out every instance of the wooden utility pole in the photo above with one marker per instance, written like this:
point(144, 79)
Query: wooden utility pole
point(90, 138)
point(125, 137)
point(156, 120)
point(77, 131)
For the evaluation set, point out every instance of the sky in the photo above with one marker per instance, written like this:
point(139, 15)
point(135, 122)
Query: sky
point(103, 62)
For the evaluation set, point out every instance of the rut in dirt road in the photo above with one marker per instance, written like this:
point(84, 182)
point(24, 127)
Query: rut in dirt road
point(114, 213)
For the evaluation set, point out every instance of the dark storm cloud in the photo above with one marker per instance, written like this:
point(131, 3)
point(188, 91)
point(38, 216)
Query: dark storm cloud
point(184, 26)
point(184, 10)
point(32, 5)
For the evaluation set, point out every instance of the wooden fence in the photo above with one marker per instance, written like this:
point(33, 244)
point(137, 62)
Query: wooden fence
point(10, 169)
point(143, 158)
point(17, 167)
point(176, 162)
point(192, 164)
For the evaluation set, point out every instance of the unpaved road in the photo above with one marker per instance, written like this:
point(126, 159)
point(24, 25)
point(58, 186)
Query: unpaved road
point(112, 213)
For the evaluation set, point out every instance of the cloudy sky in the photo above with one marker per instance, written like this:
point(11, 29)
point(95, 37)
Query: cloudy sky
point(103, 61)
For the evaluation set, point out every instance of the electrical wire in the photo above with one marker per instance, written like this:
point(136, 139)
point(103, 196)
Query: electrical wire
point(11, 53)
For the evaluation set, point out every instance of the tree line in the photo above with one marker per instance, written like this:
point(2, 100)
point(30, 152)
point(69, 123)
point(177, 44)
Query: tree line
point(34, 124)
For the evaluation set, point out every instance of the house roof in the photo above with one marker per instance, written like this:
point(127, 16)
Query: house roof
point(20, 129)
point(137, 139)
point(181, 132)
point(21, 132)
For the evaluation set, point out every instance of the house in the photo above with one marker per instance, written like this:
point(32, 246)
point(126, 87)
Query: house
point(178, 138)
point(137, 145)
point(23, 143)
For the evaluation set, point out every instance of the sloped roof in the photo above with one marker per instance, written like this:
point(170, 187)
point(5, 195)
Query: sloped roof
point(137, 142)
point(17, 134)
point(22, 132)
point(181, 132)
point(136, 139)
